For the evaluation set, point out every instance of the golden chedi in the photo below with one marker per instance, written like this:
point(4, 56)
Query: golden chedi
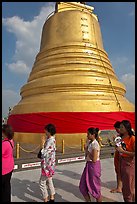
point(72, 83)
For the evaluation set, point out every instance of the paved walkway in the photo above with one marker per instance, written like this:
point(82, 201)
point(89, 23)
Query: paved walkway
point(25, 187)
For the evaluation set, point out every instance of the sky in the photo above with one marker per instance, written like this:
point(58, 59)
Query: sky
point(22, 24)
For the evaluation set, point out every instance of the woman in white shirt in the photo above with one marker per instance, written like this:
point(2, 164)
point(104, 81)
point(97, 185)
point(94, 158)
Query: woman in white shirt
point(90, 183)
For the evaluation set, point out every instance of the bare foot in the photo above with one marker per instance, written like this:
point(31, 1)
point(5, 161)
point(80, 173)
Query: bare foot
point(116, 190)
point(46, 199)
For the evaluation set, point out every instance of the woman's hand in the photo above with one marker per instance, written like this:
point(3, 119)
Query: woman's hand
point(120, 149)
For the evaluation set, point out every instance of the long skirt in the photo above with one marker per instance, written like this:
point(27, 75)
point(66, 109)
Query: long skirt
point(90, 180)
point(127, 170)
point(116, 162)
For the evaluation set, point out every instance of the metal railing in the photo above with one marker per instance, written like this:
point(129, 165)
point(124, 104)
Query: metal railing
point(63, 147)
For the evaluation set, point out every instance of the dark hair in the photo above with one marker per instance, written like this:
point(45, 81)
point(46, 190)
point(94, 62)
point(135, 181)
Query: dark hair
point(128, 127)
point(117, 124)
point(8, 131)
point(51, 129)
point(93, 131)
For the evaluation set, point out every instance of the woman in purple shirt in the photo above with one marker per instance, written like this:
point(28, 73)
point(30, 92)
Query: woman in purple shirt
point(7, 161)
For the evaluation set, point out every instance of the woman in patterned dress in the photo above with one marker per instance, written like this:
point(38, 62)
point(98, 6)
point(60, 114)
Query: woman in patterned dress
point(48, 164)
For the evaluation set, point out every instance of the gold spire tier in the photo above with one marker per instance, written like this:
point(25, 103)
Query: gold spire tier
point(72, 71)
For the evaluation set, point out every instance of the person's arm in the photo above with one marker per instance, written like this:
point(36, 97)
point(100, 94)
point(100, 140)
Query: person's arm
point(93, 155)
point(4, 148)
point(121, 150)
point(47, 148)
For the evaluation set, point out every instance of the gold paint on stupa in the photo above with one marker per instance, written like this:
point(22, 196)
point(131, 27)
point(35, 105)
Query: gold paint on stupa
point(72, 71)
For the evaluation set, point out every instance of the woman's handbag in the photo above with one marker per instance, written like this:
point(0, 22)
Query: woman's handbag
point(39, 154)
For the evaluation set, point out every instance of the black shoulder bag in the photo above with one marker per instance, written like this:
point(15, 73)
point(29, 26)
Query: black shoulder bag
point(39, 154)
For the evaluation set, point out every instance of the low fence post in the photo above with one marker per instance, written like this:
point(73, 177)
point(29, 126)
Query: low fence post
point(17, 150)
point(63, 147)
point(82, 145)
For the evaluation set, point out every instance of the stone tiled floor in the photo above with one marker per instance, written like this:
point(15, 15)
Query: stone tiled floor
point(25, 187)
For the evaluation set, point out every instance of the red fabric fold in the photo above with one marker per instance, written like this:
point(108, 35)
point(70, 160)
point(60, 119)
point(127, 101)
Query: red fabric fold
point(68, 122)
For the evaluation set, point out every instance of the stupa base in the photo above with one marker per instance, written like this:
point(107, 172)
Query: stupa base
point(70, 140)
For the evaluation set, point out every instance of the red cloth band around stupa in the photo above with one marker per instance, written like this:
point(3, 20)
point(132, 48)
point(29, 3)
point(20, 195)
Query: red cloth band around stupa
point(68, 122)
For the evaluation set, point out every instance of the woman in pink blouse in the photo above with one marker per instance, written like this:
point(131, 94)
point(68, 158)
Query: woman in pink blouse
point(7, 161)
point(48, 163)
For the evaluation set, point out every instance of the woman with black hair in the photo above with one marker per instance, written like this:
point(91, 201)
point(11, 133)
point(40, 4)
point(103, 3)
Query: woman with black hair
point(118, 189)
point(127, 161)
point(7, 161)
point(90, 183)
point(48, 164)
